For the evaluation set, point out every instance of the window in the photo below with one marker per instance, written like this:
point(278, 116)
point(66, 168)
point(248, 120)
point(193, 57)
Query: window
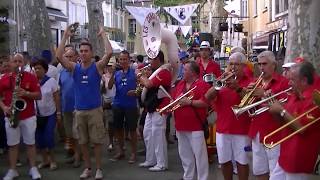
point(115, 20)
point(130, 47)
point(195, 24)
point(281, 6)
point(244, 8)
point(121, 23)
point(255, 8)
point(132, 27)
point(107, 20)
point(174, 21)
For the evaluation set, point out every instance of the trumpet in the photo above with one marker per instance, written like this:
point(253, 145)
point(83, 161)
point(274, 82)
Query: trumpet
point(175, 104)
point(239, 110)
point(220, 83)
point(316, 100)
point(249, 98)
point(142, 72)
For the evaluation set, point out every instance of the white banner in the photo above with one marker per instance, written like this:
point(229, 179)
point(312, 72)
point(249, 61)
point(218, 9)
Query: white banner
point(181, 13)
point(185, 30)
point(140, 13)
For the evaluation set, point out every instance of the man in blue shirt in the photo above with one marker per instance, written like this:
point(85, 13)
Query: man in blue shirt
point(125, 106)
point(67, 102)
point(89, 113)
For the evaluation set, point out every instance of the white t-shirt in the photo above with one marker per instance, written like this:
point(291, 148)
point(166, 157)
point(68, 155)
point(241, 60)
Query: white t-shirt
point(53, 72)
point(46, 105)
point(110, 93)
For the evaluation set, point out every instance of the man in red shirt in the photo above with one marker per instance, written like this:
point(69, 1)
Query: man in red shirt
point(232, 138)
point(264, 160)
point(155, 123)
point(206, 64)
point(298, 154)
point(189, 118)
point(29, 91)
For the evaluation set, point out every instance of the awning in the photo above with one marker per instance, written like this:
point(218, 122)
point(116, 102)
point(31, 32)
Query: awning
point(56, 15)
point(116, 48)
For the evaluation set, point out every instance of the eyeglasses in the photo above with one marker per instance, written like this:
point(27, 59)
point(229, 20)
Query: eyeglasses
point(235, 64)
point(262, 64)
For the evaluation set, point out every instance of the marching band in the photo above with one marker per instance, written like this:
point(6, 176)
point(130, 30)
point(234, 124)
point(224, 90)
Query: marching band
point(277, 116)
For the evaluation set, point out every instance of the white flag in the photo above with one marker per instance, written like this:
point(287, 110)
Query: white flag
point(181, 13)
point(140, 13)
point(185, 30)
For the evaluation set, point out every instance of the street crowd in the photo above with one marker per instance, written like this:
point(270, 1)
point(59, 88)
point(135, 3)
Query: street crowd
point(87, 97)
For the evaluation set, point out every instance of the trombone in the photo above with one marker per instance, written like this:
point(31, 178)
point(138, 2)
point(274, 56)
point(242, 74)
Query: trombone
point(249, 98)
point(239, 110)
point(316, 100)
point(221, 82)
point(175, 104)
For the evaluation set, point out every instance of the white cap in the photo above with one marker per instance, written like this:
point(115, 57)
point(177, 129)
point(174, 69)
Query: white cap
point(204, 44)
point(288, 65)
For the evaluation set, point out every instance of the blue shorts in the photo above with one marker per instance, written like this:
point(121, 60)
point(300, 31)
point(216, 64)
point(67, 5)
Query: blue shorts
point(45, 135)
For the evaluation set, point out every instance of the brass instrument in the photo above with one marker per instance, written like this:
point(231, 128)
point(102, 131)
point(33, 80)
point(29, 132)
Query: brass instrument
point(142, 72)
point(17, 104)
point(175, 104)
point(209, 78)
point(316, 100)
point(239, 110)
point(249, 98)
point(221, 82)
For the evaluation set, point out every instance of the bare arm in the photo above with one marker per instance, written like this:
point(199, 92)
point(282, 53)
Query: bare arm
point(60, 51)
point(107, 51)
point(56, 99)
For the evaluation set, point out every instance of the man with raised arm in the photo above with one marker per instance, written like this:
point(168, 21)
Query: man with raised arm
point(89, 113)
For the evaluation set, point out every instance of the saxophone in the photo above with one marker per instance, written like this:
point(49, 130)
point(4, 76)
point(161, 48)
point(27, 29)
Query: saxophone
point(17, 104)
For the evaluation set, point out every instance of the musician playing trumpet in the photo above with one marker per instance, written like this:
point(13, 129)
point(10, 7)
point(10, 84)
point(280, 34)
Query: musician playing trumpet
point(298, 154)
point(29, 91)
point(231, 133)
point(264, 160)
point(189, 118)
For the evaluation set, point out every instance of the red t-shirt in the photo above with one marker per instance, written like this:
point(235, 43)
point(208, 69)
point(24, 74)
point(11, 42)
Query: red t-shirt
point(212, 67)
point(299, 153)
point(162, 78)
point(185, 117)
point(29, 82)
point(265, 123)
point(227, 122)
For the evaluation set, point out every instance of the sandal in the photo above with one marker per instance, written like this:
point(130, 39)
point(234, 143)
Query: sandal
point(43, 165)
point(53, 166)
point(132, 159)
point(117, 157)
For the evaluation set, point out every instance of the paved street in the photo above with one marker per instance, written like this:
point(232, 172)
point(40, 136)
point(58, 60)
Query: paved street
point(120, 170)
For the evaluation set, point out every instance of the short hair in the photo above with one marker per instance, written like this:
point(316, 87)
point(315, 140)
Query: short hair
point(238, 55)
point(26, 55)
point(41, 62)
point(194, 67)
point(140, 58)
point(269, 55)
point(86, 44)
point(126, 53)
point(306, 70)
point(238, 49)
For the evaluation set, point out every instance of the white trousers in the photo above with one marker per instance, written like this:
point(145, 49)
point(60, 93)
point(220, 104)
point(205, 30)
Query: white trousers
point(264, 159)
point(193, 154)
point(279, 174)
point(155, 140)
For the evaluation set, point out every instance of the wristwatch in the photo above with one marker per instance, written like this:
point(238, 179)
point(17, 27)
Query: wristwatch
point(283, 113)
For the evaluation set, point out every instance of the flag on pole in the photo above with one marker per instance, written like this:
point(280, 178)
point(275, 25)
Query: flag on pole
point(181, 13)
point(140, 13)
